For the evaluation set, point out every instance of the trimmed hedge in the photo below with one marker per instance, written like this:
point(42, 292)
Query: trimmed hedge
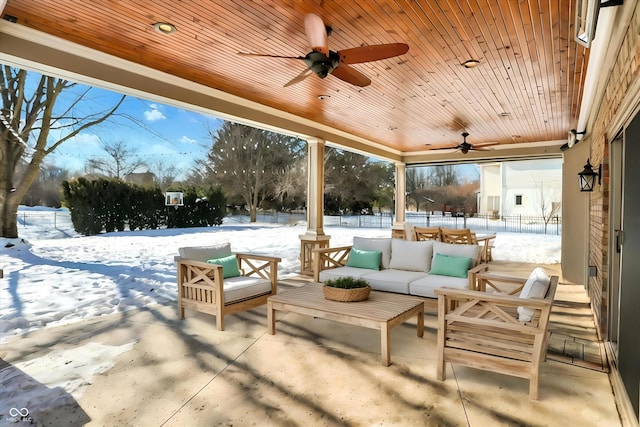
point(111, 205)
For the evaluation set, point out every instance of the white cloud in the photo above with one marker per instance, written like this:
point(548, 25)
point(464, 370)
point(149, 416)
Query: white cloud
point(86, 140)
point(154, 114)
point(186, 140)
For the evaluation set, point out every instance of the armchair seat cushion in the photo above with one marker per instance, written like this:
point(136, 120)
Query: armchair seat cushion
point(243, 287)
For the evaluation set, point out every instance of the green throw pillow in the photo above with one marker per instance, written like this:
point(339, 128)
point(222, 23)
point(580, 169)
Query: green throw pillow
point(446, 265)
point(229, 265)
point(364, 259)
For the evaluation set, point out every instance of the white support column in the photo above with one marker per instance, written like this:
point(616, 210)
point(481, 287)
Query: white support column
point(314, 237)
point(397, 230)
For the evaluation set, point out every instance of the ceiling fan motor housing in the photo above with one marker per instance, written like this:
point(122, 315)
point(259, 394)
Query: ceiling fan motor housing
point(320, 64)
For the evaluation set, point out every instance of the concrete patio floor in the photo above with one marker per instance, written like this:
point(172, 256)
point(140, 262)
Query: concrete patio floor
point(312, 372)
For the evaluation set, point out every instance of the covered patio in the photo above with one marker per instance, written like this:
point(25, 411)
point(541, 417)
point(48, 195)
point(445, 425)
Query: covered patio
point(531, 84)
point(311, 372)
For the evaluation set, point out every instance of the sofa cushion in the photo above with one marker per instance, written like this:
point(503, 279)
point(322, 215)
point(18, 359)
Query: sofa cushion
point(426, 286)
point(229, 265)
point(453, 266)
point(411, 256)
point(392, 280)
point(452, 249)
point(382, 244)
point(243, 287)
point(535, 287)
point(335, 273)
point(364, 259)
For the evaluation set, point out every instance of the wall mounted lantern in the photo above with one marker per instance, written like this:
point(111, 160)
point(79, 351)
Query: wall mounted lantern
point(588, 177)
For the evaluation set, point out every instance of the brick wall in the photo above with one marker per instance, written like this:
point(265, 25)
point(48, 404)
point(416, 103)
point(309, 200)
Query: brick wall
point(625, 72)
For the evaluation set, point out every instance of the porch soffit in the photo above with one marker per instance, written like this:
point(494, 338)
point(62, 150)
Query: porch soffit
point(527, 89)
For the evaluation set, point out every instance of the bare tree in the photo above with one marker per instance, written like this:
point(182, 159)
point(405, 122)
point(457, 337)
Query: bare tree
point(290, 183)
point(32, 126)
point(118, 162)
point(246, 162)
point(443, 175)
point(548, 203)
point(165, 173)
point(416, 182)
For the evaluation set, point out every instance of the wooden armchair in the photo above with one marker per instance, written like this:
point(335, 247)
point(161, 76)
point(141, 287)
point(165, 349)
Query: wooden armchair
point(491, 331)
point(202, 286)
point(462, 236)
point(427, 233)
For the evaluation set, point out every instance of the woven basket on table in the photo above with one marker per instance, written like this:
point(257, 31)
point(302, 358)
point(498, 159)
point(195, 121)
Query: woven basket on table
point(346, 295)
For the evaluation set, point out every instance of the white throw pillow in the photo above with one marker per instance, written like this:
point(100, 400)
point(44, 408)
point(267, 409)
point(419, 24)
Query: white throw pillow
point(382, 244)
point(411, 256)
point(535, 287)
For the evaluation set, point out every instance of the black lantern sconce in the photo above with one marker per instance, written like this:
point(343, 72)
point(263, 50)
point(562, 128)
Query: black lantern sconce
point(588, 177)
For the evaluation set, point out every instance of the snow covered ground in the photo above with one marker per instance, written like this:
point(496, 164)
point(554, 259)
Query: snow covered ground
point(53, 276)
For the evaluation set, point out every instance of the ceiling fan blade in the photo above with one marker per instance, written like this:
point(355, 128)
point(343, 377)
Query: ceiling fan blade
point(357, 55)
point(300, 77)
point(316, 33)
point(351, 75)
point(269, 56)
point(484, 146)
point(451, 147)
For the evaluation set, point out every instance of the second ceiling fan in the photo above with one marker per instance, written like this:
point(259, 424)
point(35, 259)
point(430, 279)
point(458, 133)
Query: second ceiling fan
point(323, 61)
point(465, 147)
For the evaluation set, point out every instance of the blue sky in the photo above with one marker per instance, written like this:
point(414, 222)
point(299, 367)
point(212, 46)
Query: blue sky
point(155, 131)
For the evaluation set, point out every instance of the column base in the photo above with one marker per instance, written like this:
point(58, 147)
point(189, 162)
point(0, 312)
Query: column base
point(309, 242)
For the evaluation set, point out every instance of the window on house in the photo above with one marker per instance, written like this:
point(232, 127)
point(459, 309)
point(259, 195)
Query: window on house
point(518, 199)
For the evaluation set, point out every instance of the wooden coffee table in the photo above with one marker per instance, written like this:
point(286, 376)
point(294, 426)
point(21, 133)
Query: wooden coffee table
point(381, 311)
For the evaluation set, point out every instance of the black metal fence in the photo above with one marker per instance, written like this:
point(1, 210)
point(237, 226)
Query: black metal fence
point(489, 223)
point(512, 223)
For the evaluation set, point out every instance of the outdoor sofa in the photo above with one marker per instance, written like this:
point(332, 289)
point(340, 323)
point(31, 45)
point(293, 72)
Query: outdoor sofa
point(401, 266)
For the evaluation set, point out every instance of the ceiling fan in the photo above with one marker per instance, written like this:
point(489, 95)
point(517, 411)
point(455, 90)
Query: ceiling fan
point(323, 61)
point(465, 147)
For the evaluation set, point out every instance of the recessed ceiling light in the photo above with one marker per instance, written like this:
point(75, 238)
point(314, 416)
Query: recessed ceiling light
point(165, 27)
point(321, 97)
point(471, 63)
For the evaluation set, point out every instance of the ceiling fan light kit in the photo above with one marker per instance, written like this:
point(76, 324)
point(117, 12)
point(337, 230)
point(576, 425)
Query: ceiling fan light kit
point(321, 61)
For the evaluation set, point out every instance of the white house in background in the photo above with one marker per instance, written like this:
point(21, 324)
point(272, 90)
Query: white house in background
point(525, 187)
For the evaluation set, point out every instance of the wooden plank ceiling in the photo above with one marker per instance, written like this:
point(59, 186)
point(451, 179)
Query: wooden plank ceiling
point(526, 88)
